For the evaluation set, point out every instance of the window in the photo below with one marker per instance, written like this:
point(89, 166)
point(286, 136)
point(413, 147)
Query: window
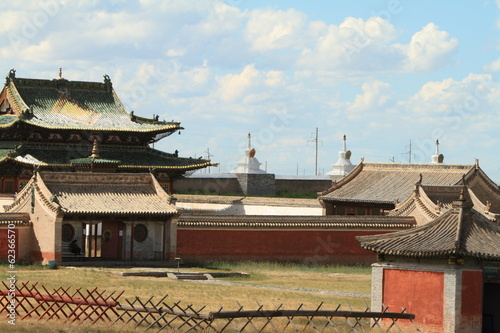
point(350, 210)
point(8, 186)
point(68, 232)
point(140, 233)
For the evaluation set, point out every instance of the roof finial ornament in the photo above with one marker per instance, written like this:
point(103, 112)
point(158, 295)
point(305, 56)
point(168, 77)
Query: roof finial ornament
point(249, 140)
point(95, 150)
point(60, 73)
point(107, 81)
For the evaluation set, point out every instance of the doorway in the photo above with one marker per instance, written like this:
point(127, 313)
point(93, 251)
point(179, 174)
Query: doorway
point(112, 240)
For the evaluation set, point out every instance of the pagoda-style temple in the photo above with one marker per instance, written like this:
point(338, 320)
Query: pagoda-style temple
point(49, 123)
point(75, 165)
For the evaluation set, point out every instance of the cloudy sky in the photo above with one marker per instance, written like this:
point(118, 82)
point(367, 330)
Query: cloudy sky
point(385, 73)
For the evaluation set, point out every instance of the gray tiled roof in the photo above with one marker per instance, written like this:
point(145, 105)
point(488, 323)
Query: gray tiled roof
point(461, 231)
point(106, 194)
point(293, 222)
point(390, 182)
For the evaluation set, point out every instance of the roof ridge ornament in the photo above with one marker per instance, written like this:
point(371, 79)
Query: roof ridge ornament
point(95, 150)
point(107, 81)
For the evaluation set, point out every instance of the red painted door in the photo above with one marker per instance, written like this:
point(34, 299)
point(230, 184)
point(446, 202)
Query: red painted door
point(112, 240)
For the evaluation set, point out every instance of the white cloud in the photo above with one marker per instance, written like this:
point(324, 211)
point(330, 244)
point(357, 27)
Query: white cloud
point(450, 98)
point(493, 66)
point(271, 29)
point(369, 45)
point(429, 49)
point(375, 96)
point(249, 86)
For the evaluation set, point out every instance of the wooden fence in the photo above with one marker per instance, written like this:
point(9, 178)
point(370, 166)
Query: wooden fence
point(92, 306)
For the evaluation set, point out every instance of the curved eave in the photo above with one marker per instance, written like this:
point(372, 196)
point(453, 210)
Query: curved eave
point(433, 254)
point(14, 121)
point(146, 167)
point(172, 167)
point(16, 98)
point(171, 128)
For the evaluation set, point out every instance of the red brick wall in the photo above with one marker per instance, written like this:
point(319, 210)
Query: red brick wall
point(421, 293)
point(312, 246)
point(472, 300)
point(4, 243)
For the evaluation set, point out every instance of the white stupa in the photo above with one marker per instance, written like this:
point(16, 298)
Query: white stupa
point(343, 165)
point(248, 163)
point(437, 157)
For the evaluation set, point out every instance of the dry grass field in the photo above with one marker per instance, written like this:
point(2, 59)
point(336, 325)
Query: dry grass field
point(269, 284)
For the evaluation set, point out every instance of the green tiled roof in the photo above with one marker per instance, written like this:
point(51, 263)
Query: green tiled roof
point(7, 120)
point(131, 157)
point(63, 104)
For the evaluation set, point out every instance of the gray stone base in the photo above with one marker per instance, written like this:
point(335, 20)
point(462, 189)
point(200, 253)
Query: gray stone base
point(257, 184)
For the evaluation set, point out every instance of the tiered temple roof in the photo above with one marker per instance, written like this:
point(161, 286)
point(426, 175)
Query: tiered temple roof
point(49, 123)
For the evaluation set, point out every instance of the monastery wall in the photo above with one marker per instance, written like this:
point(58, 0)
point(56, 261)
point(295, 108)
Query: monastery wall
point(311, 246)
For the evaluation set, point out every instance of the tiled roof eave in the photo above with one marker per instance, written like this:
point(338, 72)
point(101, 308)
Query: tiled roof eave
point(434, 254)
point(16, 222)
point(146, 167)
point(327, 198)
point(124, 213)
point(116, 129)
point(14, 121)
point(289, 225)
point(16, 97)
point(167, 167)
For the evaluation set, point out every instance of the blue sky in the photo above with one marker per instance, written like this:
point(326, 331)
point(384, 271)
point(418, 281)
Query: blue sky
point(381, 72)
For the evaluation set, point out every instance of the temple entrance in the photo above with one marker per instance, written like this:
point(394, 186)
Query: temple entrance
point(112, 240)
point(491, 308)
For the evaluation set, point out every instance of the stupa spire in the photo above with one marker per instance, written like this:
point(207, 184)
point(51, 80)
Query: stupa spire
point(343, 165)
point(437, 157)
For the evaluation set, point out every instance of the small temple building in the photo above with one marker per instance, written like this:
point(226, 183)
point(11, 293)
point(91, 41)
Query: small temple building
point(446, 272)
point(76, 165)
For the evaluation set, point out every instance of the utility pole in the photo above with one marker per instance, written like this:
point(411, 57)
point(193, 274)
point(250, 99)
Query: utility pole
point(316, 155)
point(208, 157)
point(409, 153)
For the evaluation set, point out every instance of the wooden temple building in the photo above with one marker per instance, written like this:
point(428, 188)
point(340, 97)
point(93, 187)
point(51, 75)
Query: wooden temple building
point(76, 165)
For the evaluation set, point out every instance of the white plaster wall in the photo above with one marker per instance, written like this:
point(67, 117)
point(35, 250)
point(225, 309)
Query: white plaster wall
point(224, 209)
